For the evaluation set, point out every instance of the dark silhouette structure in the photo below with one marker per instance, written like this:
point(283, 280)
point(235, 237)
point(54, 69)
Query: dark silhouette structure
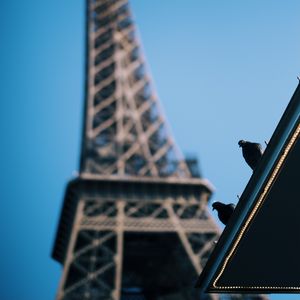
point(256, 252)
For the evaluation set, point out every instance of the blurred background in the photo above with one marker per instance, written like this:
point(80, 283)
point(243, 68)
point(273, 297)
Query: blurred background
point(224, 71)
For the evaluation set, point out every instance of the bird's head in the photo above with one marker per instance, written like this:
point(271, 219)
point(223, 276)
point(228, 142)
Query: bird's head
point(241, 143)
point(217, 205)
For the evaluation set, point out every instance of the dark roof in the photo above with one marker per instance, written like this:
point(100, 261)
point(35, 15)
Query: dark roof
point(258, 251)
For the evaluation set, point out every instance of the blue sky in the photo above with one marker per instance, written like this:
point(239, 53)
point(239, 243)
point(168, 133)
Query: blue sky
point(224, 71)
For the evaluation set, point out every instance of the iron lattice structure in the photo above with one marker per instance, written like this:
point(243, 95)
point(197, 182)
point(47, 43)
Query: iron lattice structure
point(125, 133)
point(134, 224)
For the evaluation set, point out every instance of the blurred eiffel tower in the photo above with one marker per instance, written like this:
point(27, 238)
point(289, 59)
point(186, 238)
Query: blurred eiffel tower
point(134, 223)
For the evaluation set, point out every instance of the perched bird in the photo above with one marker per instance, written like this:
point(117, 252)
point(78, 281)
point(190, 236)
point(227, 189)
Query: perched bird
point(252, 152)
point(224, 211)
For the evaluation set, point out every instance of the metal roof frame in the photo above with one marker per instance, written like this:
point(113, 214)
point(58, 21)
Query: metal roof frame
point(224, 271)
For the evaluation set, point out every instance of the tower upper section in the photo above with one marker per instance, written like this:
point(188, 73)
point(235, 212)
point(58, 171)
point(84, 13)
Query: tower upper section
point(124, 131)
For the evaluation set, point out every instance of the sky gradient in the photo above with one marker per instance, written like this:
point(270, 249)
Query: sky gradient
point(223, 71)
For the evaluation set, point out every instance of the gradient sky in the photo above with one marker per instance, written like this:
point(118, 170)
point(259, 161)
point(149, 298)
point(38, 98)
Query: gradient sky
point(224, 71)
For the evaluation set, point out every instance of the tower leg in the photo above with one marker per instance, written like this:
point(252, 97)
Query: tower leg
point(119, 253)
point(93, 265)
point(69, 257)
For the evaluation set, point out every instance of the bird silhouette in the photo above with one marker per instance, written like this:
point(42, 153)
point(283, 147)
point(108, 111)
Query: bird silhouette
point(252, 152)
point(224, 211)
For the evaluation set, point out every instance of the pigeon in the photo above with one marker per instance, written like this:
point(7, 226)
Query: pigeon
point(224, 211)
point(252, 152)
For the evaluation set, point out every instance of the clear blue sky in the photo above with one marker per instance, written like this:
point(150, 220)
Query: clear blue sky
point(224, 70)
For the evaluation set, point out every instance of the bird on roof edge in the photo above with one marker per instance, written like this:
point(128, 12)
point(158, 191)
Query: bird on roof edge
point(252, 153)
point(224, 211)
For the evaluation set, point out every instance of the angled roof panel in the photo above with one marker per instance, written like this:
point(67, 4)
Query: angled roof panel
point(259, 249)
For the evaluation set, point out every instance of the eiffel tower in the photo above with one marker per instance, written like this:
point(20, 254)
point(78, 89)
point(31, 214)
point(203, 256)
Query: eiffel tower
point(134, 223)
